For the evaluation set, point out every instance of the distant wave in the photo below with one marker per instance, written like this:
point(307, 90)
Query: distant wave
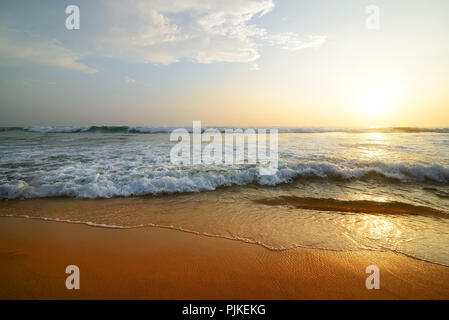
point(192, 180)
point(166, 129)
point(99, 129)
point(7, 129)
point(57, 129)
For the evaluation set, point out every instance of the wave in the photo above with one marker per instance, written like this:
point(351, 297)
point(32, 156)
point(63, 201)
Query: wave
point(101, 129)
point(98, 129)
point(6, 129)
point(365, 130)
point(56, 129)
point(394, 171)
point(194, 180)
point(169, 129)
point(354, 206)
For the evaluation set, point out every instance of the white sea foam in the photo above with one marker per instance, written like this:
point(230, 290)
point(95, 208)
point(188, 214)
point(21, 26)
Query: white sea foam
point(83, 182)
point(89, 223)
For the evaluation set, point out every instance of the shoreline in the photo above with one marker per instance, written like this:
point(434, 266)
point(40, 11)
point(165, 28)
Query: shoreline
point(180, 229)
point(163, 263)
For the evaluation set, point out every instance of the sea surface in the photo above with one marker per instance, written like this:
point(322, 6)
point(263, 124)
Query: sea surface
point(381, 189)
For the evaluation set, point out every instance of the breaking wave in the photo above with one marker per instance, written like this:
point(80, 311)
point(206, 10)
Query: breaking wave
point(88, 184)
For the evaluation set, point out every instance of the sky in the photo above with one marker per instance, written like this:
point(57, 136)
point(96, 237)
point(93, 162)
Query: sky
point(302, 63)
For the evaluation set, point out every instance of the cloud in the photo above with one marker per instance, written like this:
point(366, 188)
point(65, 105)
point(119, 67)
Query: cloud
point(292, 42)
point(18, 47)
point(129, 80)
point(159, 32)
point(254, 67)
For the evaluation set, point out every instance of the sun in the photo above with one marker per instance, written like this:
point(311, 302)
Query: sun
point(376, 98)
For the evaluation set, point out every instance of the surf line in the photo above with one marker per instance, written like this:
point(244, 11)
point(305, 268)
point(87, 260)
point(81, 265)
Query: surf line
point(226, 148)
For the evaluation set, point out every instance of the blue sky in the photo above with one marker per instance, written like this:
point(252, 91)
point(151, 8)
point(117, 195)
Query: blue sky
point(236, 62)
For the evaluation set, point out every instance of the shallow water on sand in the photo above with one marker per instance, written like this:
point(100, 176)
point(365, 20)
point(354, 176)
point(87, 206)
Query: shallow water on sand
point(243, 213)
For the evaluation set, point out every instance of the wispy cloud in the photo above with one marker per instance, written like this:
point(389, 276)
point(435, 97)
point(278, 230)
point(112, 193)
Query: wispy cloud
point(19, 47)
point(128, 80)
point(254, 67)
point(292, 42)
point(199, 31)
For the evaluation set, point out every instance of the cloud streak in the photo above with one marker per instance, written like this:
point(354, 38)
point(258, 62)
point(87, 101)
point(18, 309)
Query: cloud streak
point(129, 80)
point(18, 47)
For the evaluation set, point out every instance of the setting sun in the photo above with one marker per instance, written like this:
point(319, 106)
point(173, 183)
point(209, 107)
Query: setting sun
point(376, 98)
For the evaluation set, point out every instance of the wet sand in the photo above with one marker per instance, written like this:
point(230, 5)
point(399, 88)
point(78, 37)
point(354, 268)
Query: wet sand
point(156, 263)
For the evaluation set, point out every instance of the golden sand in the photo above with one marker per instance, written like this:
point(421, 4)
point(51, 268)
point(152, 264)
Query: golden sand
point(155, 263)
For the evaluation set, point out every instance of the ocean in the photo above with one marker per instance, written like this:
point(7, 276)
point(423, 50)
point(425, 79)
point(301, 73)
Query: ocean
point(338, 189)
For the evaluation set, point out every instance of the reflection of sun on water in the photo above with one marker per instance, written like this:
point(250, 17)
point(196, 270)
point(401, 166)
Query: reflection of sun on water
point(376, 227)
point(376, 136)
point(368, 197)
point(375, 150)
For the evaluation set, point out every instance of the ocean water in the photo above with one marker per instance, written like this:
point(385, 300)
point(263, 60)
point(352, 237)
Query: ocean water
point(339, 189)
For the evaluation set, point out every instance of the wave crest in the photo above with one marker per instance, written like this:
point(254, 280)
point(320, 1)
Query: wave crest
point(193, 180)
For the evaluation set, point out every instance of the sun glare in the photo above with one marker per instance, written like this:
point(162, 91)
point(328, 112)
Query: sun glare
point(376, 98)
